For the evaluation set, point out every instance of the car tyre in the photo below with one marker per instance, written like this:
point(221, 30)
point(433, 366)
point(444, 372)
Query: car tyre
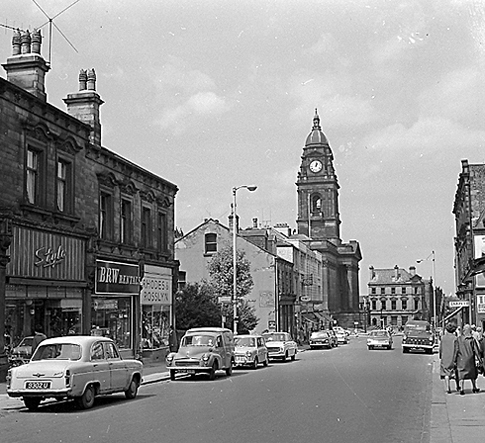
point(285, 356)
point(229, 369)
point(293, 357)
point(404, 350)
point(132, 390)
point(265, 363)
point(212, 372)
point(86, 400)
point(31, 403)
point(172, 375)
point(255, 363)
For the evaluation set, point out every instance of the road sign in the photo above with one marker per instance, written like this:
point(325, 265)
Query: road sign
point(225, 299)
point(459, 303)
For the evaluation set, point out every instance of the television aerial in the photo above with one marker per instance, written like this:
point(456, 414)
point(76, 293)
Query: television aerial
point(50, 22)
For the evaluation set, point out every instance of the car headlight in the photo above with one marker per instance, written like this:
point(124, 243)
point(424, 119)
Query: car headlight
point(9, 378)
point(249, 353)
point(205, 357)
point(169, 358)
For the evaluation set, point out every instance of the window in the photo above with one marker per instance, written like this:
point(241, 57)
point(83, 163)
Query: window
point(316, 204)
point(126, 222)
point(416, 290)
point(182, 280)
point(97, 352)
point(146, 227)
point(393, 305)
point(383, 304)
point(393, 290)
point(373, 291)
point(105, 216)
point(374, 305)
point(404, 303)
point(383, 290)
point(162, 232)
point(33, 176)
point(416, 304)
point(210, 243)
point(403, 290)
point(64, 187)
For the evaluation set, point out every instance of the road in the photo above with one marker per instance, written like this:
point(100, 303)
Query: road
point(347, 394)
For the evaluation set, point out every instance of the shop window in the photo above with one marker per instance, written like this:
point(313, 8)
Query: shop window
point(64, 196)
point(146, 227)
point(155, 326)
point(106, 216)
point(162, 232)
point(112, 317)
point(126, 222)
point(210, 243)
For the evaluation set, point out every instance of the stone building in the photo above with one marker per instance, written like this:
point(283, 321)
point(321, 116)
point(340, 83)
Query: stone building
point(318, 224)
point(469, 242)
point(395, 296)
point(86, 235)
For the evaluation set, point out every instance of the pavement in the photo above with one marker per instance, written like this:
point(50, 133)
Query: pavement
point(455, 418)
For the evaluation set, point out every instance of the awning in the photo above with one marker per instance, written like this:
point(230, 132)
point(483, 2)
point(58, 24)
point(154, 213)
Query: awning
point(311, 317)
point(456, 311)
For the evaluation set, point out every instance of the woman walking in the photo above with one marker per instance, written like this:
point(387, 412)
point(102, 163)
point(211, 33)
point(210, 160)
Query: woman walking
point(465, 353)
point(447, 364)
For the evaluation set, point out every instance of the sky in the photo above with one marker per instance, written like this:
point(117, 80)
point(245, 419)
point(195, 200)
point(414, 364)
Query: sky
point(213, 94)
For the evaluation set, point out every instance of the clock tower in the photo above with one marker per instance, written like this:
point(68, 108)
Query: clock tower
point(317, 187)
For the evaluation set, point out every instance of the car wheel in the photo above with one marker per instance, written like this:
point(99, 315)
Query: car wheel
point(293, 357)
point(31, 403)
point(285, 356)
point(404, 350)
point(212, 373)
point(132, 390)
point(86, 400)
point(265, 363)
point(172, 374)
point(229, 370)
point(255, 363)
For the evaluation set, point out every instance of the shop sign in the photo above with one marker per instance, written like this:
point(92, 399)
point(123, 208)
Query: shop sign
point(116, 278)
point(481, 304)
point(156, 286)
point(46, 256)
point(459, 303)
point(105, 304)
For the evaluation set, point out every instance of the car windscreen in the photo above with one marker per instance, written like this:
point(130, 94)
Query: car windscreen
point(27, 341)
point(198, 340)
point(244, 341)
point(379, 333)
point(275, 337)
point(57, 351)
point(321, 334)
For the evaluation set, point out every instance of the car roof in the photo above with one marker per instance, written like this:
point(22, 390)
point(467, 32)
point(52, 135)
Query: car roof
point(209, 329)
point(75, 339)
point(248, 335)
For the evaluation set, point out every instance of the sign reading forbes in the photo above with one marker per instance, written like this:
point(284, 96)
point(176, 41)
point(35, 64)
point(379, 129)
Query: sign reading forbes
point(116, 278)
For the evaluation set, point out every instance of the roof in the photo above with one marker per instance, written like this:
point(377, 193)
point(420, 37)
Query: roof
point(316, 136)
point(388, 276)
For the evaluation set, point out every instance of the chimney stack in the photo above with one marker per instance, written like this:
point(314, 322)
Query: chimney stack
point(85, 104)
point(26, 68)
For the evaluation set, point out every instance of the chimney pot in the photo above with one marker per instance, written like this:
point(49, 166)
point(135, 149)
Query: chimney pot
point(25, 42)
point(83, 78)
point(16, 42)
point(36, 41)
point(91, 84)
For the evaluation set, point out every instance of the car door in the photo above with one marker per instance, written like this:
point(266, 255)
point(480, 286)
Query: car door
point(221, 350)
point(117, 367)
point(261, 349)
point(101, 371)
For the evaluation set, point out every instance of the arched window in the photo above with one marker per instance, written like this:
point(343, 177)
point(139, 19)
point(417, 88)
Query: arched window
point(316, 204)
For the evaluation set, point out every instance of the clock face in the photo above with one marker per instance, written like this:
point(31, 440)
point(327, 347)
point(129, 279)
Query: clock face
point(316, 166)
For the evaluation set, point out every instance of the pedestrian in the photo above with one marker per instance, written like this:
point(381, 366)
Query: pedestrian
point(481, 350)
point(172, 339)
point(39, 336)
point(446, 353)
point(465, 353)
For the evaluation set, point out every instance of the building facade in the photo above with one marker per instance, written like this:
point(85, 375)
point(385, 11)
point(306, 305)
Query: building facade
point(469, 243)
point(395, 296)
point(319, 224)
point(87, 236)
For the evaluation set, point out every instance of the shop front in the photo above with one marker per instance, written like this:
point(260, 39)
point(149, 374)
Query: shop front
point(114, 304)
point(156, 309)
point(46, 284)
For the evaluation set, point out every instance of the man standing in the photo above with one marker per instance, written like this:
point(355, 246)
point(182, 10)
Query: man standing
point(39, 336)
point(172, 339)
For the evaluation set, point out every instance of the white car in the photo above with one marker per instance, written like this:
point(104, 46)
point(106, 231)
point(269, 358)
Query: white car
point(280, 345)
point(74, 367)
point(342, 337)
point(380, 338)
point(250, 350)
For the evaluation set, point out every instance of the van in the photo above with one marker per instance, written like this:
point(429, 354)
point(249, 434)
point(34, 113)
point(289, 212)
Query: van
point(418, 336)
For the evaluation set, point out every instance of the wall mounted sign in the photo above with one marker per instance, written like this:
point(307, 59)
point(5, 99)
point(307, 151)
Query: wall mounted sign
point(116, 278)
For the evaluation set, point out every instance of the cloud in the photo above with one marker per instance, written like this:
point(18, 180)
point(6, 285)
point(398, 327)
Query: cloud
point(207, 103)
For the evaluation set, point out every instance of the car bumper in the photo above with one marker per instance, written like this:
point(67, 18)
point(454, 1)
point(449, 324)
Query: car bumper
point(58, 393)
point(418, 346)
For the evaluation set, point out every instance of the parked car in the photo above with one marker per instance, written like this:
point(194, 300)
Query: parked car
point(24, 348)
point(379, 338)
point(74, 367)
point(280, 345)
point(203, 350)
point(342, 337)
point(250, 350)
point(321, 339)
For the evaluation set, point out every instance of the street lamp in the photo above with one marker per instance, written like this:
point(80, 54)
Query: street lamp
point(234, 249)
point(433, 270)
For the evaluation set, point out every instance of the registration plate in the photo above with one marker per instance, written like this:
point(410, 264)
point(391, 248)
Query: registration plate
point(38, 385)
point(187, 371)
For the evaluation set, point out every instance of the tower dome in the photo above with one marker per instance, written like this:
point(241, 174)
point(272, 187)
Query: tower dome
point(316, 137)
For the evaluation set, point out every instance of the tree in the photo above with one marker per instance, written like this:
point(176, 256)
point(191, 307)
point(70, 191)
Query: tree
point(196, 306)
point(221, 279)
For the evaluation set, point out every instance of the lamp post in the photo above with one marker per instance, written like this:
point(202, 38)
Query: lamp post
point(433, 271)
point(234, 250)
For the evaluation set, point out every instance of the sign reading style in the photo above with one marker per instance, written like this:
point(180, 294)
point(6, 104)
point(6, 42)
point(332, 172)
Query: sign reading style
point(116, 278)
